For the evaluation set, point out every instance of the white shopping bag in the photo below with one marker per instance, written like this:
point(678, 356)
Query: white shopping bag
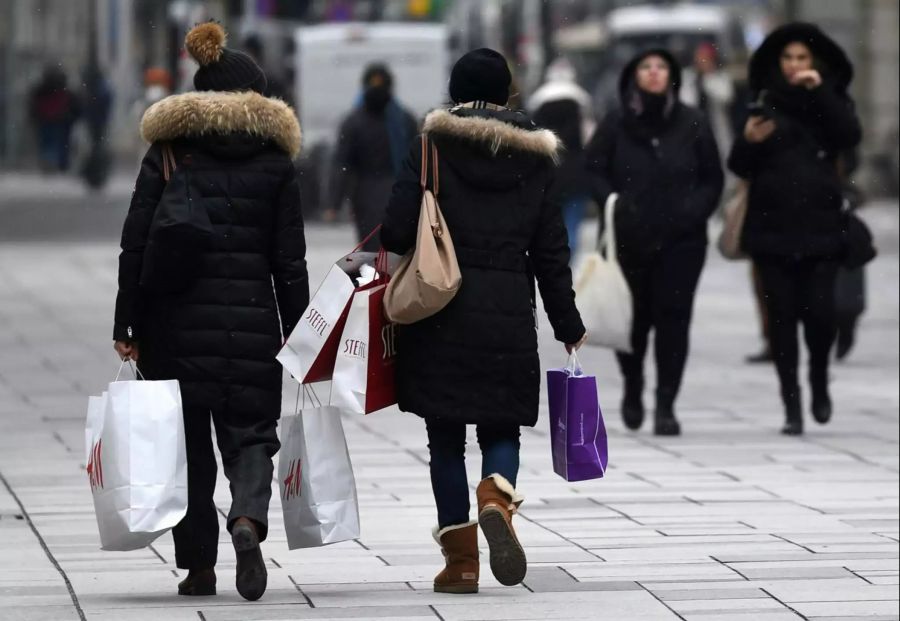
point(602, 293)
point(311, 348)
point(318, 490)
point(136, 461)
point(365, 368)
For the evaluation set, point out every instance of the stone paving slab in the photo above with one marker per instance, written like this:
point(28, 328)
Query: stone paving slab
point(730, 522)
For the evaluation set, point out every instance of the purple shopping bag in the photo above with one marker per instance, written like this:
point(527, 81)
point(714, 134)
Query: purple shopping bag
point(577, 432)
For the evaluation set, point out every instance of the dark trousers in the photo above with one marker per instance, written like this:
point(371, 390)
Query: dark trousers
point(247, 447)
point(447, 445)
point(799, 292)
point(663, 292)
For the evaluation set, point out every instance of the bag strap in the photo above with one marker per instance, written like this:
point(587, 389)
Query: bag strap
point(168, 160)
point(608, 241)
point(435, 176)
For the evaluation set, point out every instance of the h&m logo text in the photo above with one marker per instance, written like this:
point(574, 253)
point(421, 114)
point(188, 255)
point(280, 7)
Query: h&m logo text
point(292, 480)
point(95, 465)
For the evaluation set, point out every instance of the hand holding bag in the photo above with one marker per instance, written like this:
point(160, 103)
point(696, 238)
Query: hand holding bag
point(310, 350)
point(578, 440)
point(318, 491)
point(365, 367)
point(602, 293)
point(428, 278)
point(136, 461)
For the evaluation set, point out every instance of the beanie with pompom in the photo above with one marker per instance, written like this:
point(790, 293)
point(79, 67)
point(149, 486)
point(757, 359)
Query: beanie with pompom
point(221, 69)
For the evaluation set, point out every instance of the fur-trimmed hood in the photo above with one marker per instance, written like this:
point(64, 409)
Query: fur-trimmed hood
point(196, 114)
point(495, 130)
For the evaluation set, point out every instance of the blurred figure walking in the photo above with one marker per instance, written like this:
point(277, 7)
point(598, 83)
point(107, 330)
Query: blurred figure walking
point(660, 157)
point(709, 88)
point(53, 109)
point(371, 146)
point(562, 106)
point(793, 231)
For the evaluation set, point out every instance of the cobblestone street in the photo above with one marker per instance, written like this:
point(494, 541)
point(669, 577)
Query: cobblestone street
point(730, 522)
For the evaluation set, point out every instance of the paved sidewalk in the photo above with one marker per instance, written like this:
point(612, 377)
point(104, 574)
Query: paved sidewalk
point(730, 522)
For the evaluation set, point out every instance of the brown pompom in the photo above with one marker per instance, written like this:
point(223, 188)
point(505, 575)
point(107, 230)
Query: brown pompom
point(205, 42)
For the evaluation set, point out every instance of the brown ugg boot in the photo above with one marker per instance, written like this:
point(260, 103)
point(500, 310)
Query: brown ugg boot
point(497, 503)
point(460, 547)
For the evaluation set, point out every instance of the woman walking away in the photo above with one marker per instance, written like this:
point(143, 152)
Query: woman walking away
point(660, 157)
point(219, 334)
point(476, 361)
point(789, 154)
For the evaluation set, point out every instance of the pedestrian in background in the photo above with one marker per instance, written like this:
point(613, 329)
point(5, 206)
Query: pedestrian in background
point(476, 362)
point(789, 153)
point(660, 157)
point(53, 109)
point(371, 145)
point(710, 88)
point(157, 86)
point(565, 108)
point(219, 337)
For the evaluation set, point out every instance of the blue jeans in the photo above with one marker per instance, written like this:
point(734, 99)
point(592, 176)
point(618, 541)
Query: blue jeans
point(573, 214)
point(447, 444)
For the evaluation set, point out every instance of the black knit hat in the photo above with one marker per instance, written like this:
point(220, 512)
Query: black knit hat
point(481, 75)
point(221, 69)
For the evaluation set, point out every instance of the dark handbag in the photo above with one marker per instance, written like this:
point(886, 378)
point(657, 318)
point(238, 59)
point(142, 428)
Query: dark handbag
point(179, 232)
point(858, 242)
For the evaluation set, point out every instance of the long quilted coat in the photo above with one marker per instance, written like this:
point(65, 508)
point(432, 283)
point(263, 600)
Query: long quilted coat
point(220, 337)
point(476, 361)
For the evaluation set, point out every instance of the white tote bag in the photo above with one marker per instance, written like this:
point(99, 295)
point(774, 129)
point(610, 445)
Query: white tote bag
point(602, 293)
point(136, 461)
point(318, 490)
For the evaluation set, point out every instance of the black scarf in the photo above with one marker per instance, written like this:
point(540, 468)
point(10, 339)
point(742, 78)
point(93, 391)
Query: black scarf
point(647, 114)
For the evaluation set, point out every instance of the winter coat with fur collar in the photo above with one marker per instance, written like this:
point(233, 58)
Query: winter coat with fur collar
point(220, 337)
point(477, 360)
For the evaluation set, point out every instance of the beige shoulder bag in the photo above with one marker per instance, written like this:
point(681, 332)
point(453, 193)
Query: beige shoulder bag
point(429, 277)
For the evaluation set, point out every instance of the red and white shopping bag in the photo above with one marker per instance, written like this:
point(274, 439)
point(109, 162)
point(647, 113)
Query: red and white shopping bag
point(364, 370)
point(310, 350)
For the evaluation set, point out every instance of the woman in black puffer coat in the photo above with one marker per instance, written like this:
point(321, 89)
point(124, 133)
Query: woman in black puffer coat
point(661, 158)
point(793, 230)
point(476, 362)
point(219, 337)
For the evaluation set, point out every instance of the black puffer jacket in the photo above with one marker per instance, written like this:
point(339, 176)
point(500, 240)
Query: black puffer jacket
point(795, 199)
point(477, 360)
point(666, 170)
point(220, 337)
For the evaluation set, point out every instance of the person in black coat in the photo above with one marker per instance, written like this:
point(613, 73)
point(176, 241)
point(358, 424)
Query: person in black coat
point(219, 337)
point(661, 158)
point(793, 231)
point(372, 142)
point(565, 108)
point(476, 362)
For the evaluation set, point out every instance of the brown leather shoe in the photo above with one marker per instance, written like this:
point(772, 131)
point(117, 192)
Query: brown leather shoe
point(199, 582)
point(251, 575)
point(459, 545)
point(497, 503)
